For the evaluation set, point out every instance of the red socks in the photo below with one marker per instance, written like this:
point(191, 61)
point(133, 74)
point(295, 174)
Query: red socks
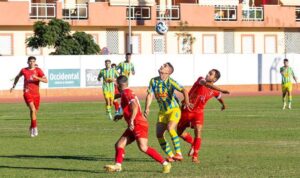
point(120, 152)
point(155, 155)
point(188, 138)
point(197, 146)
point(116, 104)
point(33, 124)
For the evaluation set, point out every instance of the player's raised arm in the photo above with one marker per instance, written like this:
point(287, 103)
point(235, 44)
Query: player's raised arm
point(16, 81)
point(212, 86)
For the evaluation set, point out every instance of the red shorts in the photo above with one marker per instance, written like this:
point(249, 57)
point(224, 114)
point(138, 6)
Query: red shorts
point(140, 131)
point(35, 98)
point(191, 119)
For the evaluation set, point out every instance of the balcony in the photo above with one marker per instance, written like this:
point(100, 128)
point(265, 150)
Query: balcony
point(167, 13)
point(75, 11)
point(42, 10)
point(253, 14)
point(298, 14)
point(225, 13)
point(139, 13)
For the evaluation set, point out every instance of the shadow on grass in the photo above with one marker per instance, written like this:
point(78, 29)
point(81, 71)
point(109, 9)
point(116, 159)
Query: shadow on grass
point(51, 169)
point(86, 158)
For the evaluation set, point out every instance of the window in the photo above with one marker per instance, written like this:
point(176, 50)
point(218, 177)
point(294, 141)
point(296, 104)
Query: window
point(247, 44)
point(6, 44)
point(32, 51)
point(228, 41)
point(209, 44)
point(185, 42)
point(158, 44)
point(112, 41)
point(136, 43)
point(270, 44)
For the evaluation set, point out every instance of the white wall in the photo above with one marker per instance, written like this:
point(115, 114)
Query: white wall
point(236, 69)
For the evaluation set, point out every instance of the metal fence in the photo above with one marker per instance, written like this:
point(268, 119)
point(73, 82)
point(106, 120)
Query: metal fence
point(43, 10)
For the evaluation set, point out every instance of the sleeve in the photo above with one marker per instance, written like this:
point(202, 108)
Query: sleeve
point(116, 73)
point(217, 94)
point(281, 69)
point(150, 87)
point(118, 67)
point(293, 74)
point(175, 85)
point(40, 73)
point(100, 74)
point(130, 97)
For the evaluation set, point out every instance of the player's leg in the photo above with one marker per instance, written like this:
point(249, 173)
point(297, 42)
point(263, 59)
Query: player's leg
point(289, 94)
point(33, 117)
point(182, 125)
point(107, 97)
point(126, 139)
point(143, 146)
point(197, 142)
point(284, 91)
point(174, 117)
point(161, 127)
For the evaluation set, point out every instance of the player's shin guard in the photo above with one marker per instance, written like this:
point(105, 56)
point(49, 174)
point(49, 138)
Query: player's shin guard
point(289, 99)
point(108, 109)
point(120, 153)
point(197, 146)
point(175, 140)
point(33, 123)
point(116, 104)
point(188, 138)
point(165, 146)
point(155, 155)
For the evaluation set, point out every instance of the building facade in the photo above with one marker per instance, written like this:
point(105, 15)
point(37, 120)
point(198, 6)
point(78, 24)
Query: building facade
point(195, 27)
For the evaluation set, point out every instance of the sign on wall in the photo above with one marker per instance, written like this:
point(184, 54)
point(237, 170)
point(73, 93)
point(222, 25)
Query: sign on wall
point(91, 76)
point(60, 78)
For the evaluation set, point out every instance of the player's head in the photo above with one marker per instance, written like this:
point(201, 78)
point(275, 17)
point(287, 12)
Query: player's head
point(122, 82)
point(166, 68)
point(128, 57)
point(286, 62)
point(113, 65)
point(107, 63)
point(31, 61)
point(213, 75)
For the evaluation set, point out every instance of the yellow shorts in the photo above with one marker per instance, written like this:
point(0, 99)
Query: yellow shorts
point(287, 87)
point(169, 115)
point(108, 95)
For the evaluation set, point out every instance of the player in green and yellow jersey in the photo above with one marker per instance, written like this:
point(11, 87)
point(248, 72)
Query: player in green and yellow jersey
point(126, 68)
point(287, 73)
point(109, 75)
point(163, 87)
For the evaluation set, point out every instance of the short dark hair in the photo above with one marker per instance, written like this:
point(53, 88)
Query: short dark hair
point(30, 58)
point(285, 60)
point(107, 60)
point(217, 74)
point(128, 54)
point(113, 65)
point(122, 79)
point(171, 66)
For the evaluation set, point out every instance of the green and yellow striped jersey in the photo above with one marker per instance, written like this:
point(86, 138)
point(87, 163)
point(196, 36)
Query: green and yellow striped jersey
point(125, 68)
point(164, 92)
point(287, 73)
point(106, 74)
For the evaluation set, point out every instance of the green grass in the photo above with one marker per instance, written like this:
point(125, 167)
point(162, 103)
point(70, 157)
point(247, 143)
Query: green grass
point(252, 138)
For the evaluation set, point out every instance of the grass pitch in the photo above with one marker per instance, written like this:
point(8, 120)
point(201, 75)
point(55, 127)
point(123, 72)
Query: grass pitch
point(252, 138)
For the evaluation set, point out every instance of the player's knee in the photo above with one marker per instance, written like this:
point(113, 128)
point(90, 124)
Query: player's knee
point(143, 148)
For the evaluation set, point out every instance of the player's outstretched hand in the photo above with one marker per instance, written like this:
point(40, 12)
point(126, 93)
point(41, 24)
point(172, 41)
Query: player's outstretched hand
point(225, 92)
point(117, 117)
point(146, 113)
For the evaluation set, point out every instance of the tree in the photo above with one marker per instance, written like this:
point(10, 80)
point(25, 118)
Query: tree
point(56, 34)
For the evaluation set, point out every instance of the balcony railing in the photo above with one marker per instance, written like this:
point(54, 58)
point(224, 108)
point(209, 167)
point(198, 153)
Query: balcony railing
point(139, 13)
point(167, 13)
point(298, 14)
point(75, 11)
point(253, 14)
point(225, 13)
point(42, 10)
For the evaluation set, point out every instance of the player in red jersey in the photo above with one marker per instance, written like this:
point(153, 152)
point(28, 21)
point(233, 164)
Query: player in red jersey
point(32, 78)
point(137, 129)
point(202, 90)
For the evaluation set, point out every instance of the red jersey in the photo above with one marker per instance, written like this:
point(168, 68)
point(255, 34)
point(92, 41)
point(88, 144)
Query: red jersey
point(127, 97)
point(31, 85)
point(200, 94)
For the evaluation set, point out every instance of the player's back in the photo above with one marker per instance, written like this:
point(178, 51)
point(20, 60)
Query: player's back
point(200, 94)
point(127, 97)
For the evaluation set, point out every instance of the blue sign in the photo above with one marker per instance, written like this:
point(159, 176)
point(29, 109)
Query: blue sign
point(60, 78)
